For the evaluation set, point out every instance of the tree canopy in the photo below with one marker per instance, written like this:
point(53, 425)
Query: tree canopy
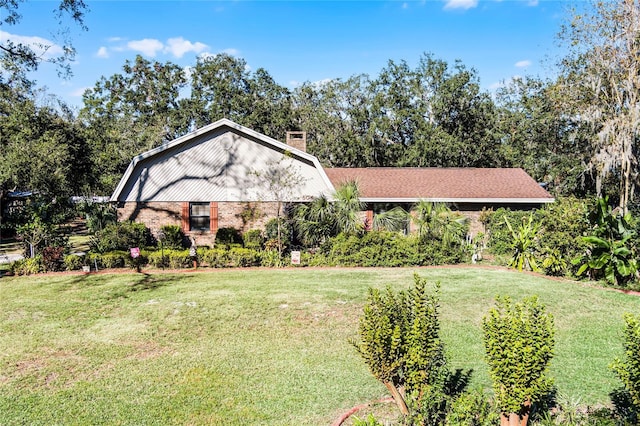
point(577, 133)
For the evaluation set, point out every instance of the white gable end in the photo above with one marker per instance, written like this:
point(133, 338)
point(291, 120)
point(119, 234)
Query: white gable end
point(221, 162)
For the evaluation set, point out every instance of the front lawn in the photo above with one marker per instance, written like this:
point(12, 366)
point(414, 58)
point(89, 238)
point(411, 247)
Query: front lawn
point(256, 346)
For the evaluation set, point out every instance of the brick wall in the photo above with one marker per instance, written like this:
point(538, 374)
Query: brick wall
point(154, 215)
point(239, 215)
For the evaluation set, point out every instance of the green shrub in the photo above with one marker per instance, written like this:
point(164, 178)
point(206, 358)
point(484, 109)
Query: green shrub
point(179, 259)
point(384, 248)
point(500, 238)
point(400, 343)
point(472, 409)
point(173, 237)
point(370, 420)
point(519, 341)
point(113, 259)
point(271, 233)
point(271, 259)
point(28, 266)
point(559, 238)
point(216, 258)
point(628, 368)
point(121, 236)
point(611, 255)
point(228, 236)
point(524, 239)
point(156, 259)
point(73, 262)
point(253, 239)
point(244, 257)
point(563, 224)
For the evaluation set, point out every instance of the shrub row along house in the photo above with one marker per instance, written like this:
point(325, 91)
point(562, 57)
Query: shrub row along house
point(226, 175)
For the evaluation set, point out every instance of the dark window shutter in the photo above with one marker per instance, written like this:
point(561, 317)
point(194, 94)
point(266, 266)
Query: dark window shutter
point(185, 216)
point(213, 217)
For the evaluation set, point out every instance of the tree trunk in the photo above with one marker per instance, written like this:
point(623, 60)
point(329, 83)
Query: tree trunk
point(516, 419)
point(397, 397)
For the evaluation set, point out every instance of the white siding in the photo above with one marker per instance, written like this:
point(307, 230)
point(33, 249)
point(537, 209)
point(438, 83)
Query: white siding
point(220, 165)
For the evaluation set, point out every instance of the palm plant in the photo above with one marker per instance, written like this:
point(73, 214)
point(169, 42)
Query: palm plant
point(347, 207)
point(315, 221)
point(436, 221)
point(524, 244)
point(392, 220)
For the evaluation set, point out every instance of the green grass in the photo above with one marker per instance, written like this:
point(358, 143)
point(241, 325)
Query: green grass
point(265, 347)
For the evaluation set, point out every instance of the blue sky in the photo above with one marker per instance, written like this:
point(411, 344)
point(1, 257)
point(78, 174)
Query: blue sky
point(298, 41)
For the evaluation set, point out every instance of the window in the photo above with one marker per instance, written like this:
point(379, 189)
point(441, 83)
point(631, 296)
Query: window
point(199, 217)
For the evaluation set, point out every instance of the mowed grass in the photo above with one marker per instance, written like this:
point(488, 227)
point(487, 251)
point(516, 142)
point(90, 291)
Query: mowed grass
point(269, 347)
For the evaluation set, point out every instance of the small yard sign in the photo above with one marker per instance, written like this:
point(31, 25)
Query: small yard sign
point(295, 257)
point(135, 252)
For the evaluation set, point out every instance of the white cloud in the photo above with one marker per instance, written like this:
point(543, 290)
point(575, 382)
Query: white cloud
point(532, 2)
point(460, 4)
point(148, 46)
point(114, 39)
point(102, 52)
point(41, 46)
point(231, 51)
point(523, 64)
point(178, 46)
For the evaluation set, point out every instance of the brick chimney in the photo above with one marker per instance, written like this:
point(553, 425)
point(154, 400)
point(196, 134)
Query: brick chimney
point(297, 140)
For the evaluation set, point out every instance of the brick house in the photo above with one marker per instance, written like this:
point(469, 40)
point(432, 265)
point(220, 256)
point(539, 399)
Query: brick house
point(222, 175)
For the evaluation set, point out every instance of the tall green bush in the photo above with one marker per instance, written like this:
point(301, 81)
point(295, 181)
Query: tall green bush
point(121, 236)
point(399, 340)
point(519, 342)
point(228, 236)
point(628, 368)
point(253, 239)
point(173, 237)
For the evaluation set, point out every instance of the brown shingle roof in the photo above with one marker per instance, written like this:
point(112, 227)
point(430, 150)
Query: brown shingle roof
point(442, 184)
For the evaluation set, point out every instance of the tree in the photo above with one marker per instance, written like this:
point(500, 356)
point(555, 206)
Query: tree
point(599, 85)
point(279, 181)
point(129, 113)
point(17, 58)
point(432, 115)
point(399, 340)
point(540, 137)
point(219, 89)
point(42, 150)
point(518, 341)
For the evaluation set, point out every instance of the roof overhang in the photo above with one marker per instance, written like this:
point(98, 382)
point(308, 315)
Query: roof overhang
point(461, 200)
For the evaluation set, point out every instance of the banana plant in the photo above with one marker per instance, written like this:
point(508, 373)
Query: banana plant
point(524, 244)
point(611, 255)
